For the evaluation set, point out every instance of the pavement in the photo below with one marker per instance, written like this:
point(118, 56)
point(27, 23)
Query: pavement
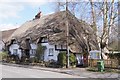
point(80, 72)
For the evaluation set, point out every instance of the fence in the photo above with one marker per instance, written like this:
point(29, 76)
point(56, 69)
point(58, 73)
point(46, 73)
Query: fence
point(110, 63)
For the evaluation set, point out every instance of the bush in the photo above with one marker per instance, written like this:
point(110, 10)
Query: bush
point(3, 55)
point(72, 59)
point(40, 52)
point(62, 59)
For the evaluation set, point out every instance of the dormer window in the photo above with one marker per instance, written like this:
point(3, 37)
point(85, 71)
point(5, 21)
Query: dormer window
point(28, 40)
point(14, 41)
point(44, 40)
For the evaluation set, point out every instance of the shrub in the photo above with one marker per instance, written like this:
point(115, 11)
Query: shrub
point(40, 52)
point(72, 59)
point(62, 59)
point(3, 55)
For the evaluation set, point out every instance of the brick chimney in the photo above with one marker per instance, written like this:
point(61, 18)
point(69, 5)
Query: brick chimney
point(38, 15)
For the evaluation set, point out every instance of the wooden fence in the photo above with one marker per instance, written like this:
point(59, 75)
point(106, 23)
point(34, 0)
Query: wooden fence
point(111, 63)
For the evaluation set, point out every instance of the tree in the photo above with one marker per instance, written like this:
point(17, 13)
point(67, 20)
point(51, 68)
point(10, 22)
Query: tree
point(94, 26)
point(59, 5)
point(103, 16)
point(109, 14)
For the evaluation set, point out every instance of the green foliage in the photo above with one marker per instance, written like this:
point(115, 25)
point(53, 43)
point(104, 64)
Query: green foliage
point(3, 55)
point(72, 59)
point(62, 59)
point(40, 52)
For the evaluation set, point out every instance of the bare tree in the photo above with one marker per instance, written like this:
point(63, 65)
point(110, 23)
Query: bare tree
point(94, 26)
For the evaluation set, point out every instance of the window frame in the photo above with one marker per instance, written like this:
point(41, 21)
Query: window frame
point(15, 51)
point(33, 52)
point(61, 48)
point(44, 40)
point(51, 52)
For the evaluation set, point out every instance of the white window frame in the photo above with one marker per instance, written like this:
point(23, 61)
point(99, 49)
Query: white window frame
point(33, 52)
point(51, 51)
point(15, 51)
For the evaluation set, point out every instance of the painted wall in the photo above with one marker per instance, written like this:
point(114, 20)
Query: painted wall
point(15, 46)
point(1, 46)
point(33, 46)
point(46, 53)
point(79, 58)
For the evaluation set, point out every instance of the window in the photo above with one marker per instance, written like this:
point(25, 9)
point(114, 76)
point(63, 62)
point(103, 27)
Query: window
point(14, 41)
point(51, 52)
point(44, 40)
point(60, 47)
point(63, 47)
point(33, 52)
point(15, 51)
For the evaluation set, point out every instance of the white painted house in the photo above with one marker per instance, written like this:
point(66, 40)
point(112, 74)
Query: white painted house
point(14, 49)
point(4, 35)
point(54, 28)
point(51, 52)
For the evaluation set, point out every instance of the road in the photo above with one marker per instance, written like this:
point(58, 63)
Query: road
point(19, 72)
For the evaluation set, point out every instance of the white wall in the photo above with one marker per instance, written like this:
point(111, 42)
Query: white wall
point(46, 53)
point(15, 46)
point(79, 58)
point(33, 46)
point(1, 46)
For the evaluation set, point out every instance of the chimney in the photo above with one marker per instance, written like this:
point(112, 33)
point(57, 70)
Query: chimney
point(38, 15)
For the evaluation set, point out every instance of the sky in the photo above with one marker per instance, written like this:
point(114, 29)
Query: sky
point(13, 13)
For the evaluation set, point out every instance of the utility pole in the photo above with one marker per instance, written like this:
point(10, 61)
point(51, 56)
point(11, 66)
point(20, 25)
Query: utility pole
point(67, 25)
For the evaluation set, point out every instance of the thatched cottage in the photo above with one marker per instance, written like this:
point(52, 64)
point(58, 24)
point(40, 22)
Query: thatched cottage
point(50, 31)
point(4, 35)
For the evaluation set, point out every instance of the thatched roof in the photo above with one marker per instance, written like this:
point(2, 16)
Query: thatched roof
point(6, 34)
point(54, 27)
